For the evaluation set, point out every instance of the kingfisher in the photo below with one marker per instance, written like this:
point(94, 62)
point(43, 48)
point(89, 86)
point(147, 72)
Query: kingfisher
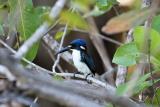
point(82, 60)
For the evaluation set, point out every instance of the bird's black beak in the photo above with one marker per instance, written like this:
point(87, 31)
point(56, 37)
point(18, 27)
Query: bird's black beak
point(63, 50)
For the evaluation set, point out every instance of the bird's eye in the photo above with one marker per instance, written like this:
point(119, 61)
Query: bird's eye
point(82, 47)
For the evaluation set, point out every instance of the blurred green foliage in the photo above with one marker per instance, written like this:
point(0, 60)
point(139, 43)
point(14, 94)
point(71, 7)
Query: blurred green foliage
point(73, 19)
point(126, 54)
point(102, 6)
point(139, 35)
point(156, 23)
point(82, 5)
point(155, 100)
point(25, 18)
point(141, 84)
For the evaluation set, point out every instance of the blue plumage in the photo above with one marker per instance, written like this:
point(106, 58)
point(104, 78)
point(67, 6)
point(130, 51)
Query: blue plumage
point(88, 60)
point(80, 42)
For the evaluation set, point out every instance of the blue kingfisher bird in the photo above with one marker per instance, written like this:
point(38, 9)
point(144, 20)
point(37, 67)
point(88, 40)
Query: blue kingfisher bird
point(81, 58)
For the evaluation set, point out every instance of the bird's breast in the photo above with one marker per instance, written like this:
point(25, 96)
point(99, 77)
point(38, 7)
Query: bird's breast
point(81, 66)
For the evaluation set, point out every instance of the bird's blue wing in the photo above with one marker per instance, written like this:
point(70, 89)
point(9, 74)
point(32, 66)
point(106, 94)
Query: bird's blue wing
point(86, 58)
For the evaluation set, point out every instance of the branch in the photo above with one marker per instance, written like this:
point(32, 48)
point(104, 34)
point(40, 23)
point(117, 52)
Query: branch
point(93, 80)
point(98, 43)
point(55, 11)
point(62, 93)
point(121, 75)
point(122, 70)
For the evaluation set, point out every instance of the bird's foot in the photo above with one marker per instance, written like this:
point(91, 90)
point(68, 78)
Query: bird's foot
point(86, 78)
point(77, 72)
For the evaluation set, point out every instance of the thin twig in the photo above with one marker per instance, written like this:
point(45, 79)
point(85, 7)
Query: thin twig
point(34, 102)
point(116, 11)
point(52, 56)
point(109, 39)
point(99, 35)
point(121, 75)
point(61, 43)
point(133, 81)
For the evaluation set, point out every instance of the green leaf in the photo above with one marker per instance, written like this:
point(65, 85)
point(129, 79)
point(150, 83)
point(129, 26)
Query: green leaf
point(156, 23)
point(103, 4)
point(30, 19)
point(121, 89)
point(126, 54)
point(153, 100)
point(140, 85)
point(13, 16)
point(143, 84)
point(27, 15)
point(158, 95)
point(139, 37)
point(143, 78)
point(74, 20)
point(101, 7)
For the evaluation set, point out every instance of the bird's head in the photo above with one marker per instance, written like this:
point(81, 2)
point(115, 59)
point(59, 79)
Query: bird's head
point(77, 44)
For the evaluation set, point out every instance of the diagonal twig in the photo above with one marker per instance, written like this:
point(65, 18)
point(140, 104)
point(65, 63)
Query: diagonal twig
point(61, 43)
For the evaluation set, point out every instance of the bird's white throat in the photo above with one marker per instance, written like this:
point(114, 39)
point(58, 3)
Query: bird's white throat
point(81, 66)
